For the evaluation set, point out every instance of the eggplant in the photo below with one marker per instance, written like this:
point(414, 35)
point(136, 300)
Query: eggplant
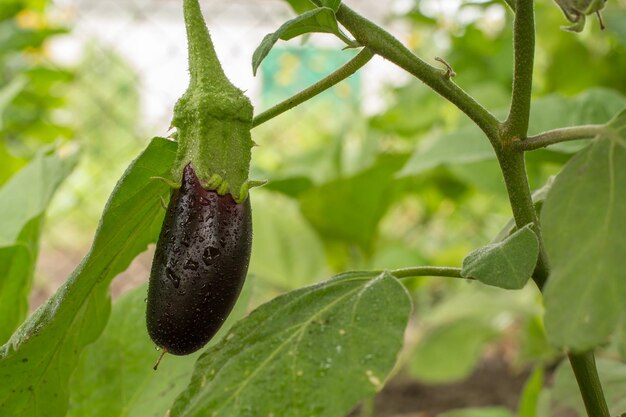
point(199, 266)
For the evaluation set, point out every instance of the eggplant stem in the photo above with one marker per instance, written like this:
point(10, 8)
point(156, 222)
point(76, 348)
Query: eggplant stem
point(156, 365)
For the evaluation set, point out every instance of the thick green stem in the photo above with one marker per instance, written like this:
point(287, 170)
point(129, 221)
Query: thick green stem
point(584, 366)
point(516, 125)
point(559, 135)
point(511, 160)
point(516, 181)
point(384, 44)
point(341, 74)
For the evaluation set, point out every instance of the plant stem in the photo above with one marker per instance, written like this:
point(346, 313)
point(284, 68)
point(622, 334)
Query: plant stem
point(386, 45)
point(433, 271)
point(341, 74)
point(559, 135)
point(584, 366)
point(204, 66)
point(516, 181)
point(512, 163)
point(511, 4)
point(516, 124)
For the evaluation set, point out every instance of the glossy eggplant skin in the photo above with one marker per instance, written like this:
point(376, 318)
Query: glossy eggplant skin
point(199, 266)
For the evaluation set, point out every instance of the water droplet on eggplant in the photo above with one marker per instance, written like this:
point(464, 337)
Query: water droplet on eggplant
point(205, 258)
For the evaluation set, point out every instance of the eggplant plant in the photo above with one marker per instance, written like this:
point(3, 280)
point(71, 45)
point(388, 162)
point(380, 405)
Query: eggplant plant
point(319, 350)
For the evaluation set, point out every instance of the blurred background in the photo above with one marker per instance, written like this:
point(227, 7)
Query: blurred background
point(367, 175)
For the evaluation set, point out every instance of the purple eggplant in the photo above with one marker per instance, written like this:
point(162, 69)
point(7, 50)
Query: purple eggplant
point(199, 266)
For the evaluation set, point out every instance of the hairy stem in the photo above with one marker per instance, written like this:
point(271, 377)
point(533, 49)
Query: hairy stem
point(204, 66)
point(516, 181)
point(511, 160)
point(341, 74)
point(516, 124)
point(559, 135)
point(584, 366)
point(386, 45)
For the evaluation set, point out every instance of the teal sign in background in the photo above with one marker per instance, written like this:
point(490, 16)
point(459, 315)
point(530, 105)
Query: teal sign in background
point(288, 70)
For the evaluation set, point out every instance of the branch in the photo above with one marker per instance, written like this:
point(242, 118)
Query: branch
point(516, 124)
point(511, 4)
point(386, 45)
point(432, 271)
point(559, 135)
point(341, 74)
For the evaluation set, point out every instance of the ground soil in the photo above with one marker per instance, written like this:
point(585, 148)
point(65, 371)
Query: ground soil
point(493, 383)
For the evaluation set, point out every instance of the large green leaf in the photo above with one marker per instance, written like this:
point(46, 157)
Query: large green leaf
point(584, 226)
point(23, 201)
point(505, 264)
point(285, 251)
point(37, 361)
point(320, 20)
point(350, 208)
point(316, 351)
point(123, 357)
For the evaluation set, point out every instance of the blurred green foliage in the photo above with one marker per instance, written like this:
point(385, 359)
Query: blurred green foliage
point(449, 197)
point(32, 87)
point(102, 104)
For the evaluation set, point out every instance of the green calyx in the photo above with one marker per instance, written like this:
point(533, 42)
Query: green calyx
point(213, 118)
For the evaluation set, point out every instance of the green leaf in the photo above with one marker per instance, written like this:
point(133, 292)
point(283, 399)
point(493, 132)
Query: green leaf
point(462, 146)
point(301, 6)
point(30, 190)
point(320, 20)
point(594, 106)
point(467, 144)
point(538, 196)
point(450, 352)
point(23, 201)
point(331, 4)
point(285, 250)
point(290, 186)
point(530, 395)
point(41, 355)
point(485, 175)
point(17, 264)
point(123, 356)
point(478, 412)
point(505, 264)
point(314, 351)
point(9, 92)
point(350, 208)
point(612, 374)
point(585, 237)
point(115, 377)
